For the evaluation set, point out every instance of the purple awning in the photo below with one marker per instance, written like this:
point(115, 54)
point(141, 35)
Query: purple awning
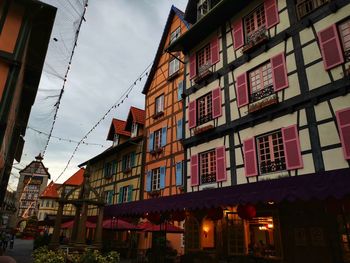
point(329, 184)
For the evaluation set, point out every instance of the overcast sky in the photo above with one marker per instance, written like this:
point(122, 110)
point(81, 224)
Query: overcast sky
point(116, 43)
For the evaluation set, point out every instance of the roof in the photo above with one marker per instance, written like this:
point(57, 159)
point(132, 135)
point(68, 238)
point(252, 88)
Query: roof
point(173, 11)
point(319, 186)
point(50, 191)
point(117, 127)
point(135, 115)
point(76, 179)
point(36, 165)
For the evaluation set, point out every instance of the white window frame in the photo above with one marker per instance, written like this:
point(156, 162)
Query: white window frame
point(175, 35)
point(157, 139)
point(116, 139)
point(134, 128)
point(125, 193)
point(155, 179)
point(174, 66)
point(159, 104)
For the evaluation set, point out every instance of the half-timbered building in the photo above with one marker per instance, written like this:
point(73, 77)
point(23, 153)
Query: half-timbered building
point(267, 115)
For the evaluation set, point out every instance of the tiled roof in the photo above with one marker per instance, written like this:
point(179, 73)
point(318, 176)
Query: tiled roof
point(117, 127)
point(50, 191)
point(76, 179)
point(138, 115)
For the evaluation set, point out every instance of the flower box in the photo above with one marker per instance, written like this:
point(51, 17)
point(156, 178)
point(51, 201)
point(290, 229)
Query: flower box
point(157, 151)
point(203, 129)
point(263, 103)
point(203, 73)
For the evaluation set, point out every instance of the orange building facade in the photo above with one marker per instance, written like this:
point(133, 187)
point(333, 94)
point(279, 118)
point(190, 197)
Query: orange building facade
point(164, 155)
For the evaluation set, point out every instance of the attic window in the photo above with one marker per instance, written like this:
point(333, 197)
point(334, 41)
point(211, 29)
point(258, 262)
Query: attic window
point(175, 35)
point(134, 129)
point(203, 7)
point(116, 140)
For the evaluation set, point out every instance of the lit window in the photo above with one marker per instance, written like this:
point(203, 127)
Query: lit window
point(160, 104)
point(204, 58)
point(255, 23)
point(156, 179)
point(175, 34)
point(134, 129)
point(208, 167)
point(204, 109)
point(174, 66)
point(344, 29)
point(261, 83)
point(157, 139)
point(271, 153)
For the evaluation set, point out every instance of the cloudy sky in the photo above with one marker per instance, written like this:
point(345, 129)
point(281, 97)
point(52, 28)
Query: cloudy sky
point(116, 43)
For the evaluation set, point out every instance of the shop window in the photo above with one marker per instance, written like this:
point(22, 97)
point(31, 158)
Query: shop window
point(235, 234)
point(155, 179)
point(344, 30)
point(192, 234)
point(255, 24)
point(305, 7)
point(208, 167)
point(261, 83)
point(175, 35)
point(174, 66)
point(159, 104)
point(203, 59)
point(271, 153)
point(204, 109)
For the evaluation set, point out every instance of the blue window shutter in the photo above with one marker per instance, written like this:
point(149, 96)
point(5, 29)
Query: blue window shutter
point(162, 177)
point(120, 197)
point(132, 158)
point(164, 132)
point(130, 187)
point(179, 170)
point(180, 90)
point(151, 142)
point(149, 181)
point(179, 130)
point(110, 197)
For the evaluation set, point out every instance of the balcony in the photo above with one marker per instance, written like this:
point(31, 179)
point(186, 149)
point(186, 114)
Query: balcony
point(204, 119)
point(273, 166)
point(204, 71)
point(262, 99)
point(255, 39)
point(305, 7)
point(208, 178)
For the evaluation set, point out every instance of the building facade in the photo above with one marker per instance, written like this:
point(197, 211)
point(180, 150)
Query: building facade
point(267, 86)
point(23, 44)
point(8, 210)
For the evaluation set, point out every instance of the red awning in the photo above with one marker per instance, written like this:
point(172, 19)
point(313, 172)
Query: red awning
point(118, 224)
point(70, 224)
point(166, 227)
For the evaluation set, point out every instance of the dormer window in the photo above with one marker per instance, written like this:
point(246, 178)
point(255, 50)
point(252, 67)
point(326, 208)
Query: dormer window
point(116, 140)
point(175, 35)
point(134, 129)
point(203, 7)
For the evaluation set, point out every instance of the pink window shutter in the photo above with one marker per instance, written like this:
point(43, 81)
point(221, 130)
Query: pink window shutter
point(193, 66)
point(192, 114)
point(271, 13)
point(221, 174)
point(237, 34)
point(279, 72)
point(250, 161)
point(217, 109)
point(214, 46)
point(343, 121)
point(291, 146)
point(330, 47)
point(194, 170)
point(242, 90)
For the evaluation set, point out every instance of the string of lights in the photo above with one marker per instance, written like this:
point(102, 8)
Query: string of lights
point(57, 104)
point(120, 101)
point(65, 139)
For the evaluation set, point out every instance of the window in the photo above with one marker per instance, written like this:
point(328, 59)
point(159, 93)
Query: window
point(261, 83)
point(109, 197)
point(174, 66)
point(271, 153)
point(127, 162)
point(134, 129)
point(204, 58)
point(344, 29)
point(107, 170)
point(180, 90)
point(255, 23)
point(160, 104)
point(124, 192)
point(204, 109)
point(157, 139)
point(116, 139)
point(175, 35)
point(203, 7)
point(155, 179)
point(208, 167)
point(305, 7)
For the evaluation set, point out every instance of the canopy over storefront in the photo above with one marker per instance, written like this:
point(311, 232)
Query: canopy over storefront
point(320, 186)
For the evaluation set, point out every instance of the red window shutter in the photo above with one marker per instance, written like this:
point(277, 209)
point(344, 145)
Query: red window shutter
point(242, 90)
point(221, 164)
point(330, 47)
point(192, 114)
point(194, 170)
point(279, 72)
point(343, 120)
point(216, 97)
point(271, 13)
point(214, 46)
point(250, 161)
point(237, 34)
point(193, 66)
point(291, 146)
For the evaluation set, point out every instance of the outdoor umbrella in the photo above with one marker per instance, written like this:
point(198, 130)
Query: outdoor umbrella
point(167, 227)
point(70, 224)
point(118, 224)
